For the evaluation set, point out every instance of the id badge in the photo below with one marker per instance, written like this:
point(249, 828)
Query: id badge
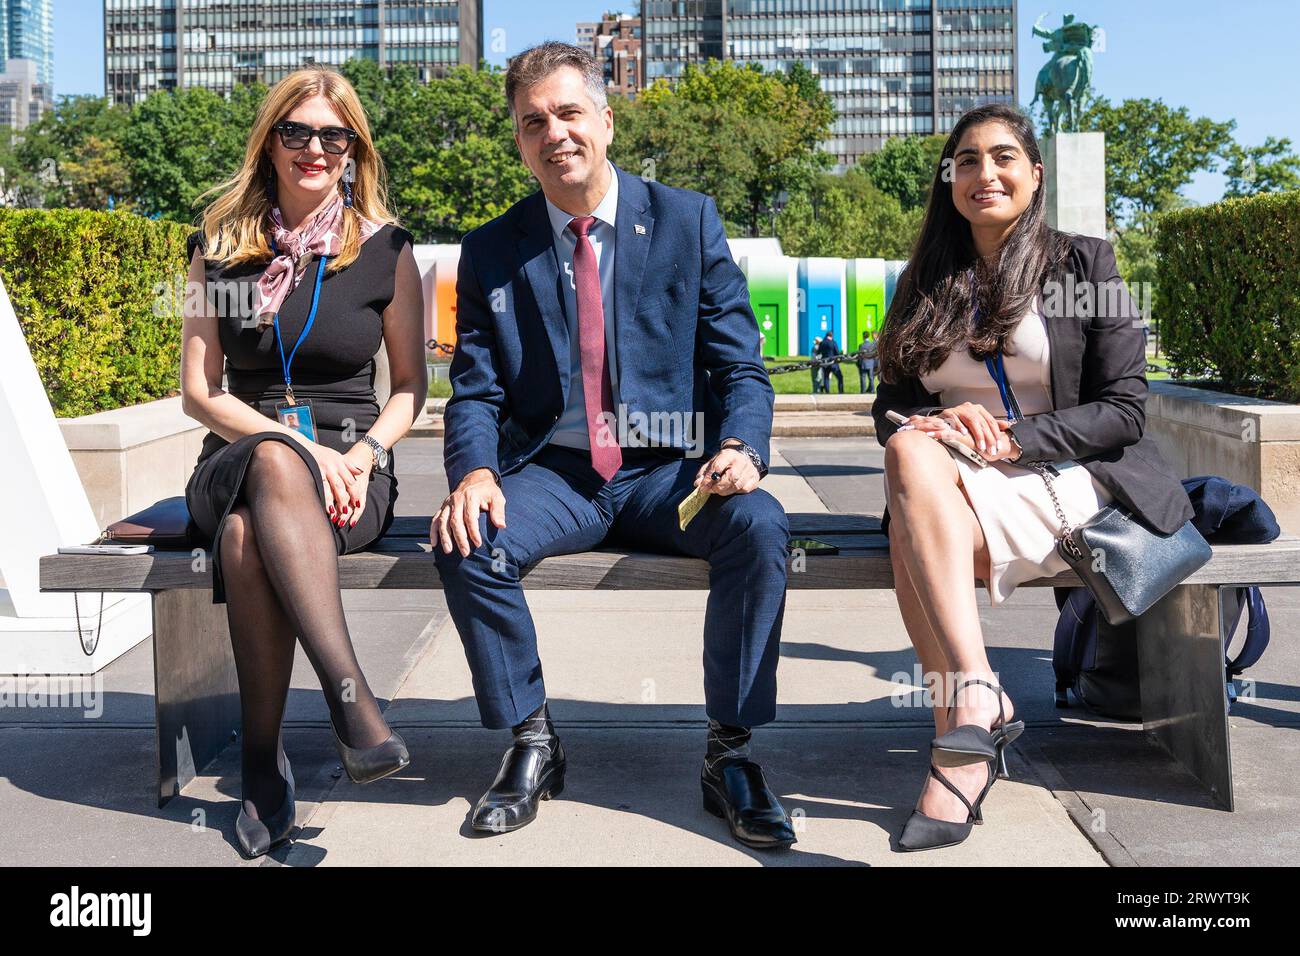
point(298, 416)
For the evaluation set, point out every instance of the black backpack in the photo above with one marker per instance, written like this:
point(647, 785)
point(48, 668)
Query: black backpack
point(1103, 671)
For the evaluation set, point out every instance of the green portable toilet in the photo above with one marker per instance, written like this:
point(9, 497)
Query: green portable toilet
point(772, 297)
point(893, 267)
point(866, 298)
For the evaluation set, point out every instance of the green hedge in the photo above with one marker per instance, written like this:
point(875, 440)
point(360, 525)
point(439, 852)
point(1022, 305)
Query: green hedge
point(86, 288)
point(1229, 277)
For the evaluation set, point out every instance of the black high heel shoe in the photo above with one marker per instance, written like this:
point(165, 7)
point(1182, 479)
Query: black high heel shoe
point(971, 743)
point(256, 837)
point(926, 833)
point(368, 764)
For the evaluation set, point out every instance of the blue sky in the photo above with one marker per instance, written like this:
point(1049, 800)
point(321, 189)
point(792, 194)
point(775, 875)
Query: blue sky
point(1225, 61)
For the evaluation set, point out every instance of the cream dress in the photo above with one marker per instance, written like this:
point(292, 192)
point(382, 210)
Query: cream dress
point(1011, 501)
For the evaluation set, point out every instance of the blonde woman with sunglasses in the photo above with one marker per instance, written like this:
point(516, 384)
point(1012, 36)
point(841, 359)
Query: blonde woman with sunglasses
point(306, 275)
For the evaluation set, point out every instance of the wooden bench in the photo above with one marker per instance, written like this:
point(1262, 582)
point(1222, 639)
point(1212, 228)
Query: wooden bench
point(1180, 640)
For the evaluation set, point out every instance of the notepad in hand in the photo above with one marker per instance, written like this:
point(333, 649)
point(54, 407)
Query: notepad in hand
point(690, 506)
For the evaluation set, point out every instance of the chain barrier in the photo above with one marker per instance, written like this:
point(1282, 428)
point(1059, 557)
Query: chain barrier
point(848, 358)
point(844, 358)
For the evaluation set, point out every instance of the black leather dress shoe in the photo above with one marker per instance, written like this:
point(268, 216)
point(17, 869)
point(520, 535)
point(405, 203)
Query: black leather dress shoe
point(528, 774)
point(736, 791)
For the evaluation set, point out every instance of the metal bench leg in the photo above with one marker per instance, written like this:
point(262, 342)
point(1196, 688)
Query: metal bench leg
point(196, 693)
point(1184, 703)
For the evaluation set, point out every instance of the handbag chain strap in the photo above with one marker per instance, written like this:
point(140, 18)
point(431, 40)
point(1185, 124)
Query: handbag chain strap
point(1066, 541)
point(998, 373)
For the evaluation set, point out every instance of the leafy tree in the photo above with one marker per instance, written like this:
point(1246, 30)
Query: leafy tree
point(97, 176)
point(904, 168)
point(777, 119)
point(847, 216)
point(21, 186)
point(447, 146)
point(449, 149)
point(1270, 168)
point(1152, 152)
point(182, 143)
point(700, 146)
point(35, 160)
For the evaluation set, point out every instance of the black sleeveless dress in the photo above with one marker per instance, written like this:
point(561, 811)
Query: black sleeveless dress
point(334, 368)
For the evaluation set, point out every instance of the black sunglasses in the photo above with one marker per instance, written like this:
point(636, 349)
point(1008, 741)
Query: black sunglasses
point(333, 139)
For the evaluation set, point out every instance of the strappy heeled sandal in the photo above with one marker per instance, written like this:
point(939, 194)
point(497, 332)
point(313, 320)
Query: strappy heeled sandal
point(922, 832)
point(971, 743)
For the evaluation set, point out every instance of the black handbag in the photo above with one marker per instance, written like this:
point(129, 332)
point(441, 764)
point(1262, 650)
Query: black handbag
point(1126, 566)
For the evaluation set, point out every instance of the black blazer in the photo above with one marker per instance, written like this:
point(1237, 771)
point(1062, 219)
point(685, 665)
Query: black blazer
point(1099, 391)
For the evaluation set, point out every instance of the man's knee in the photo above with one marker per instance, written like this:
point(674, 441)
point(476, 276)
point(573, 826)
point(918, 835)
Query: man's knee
point(758, 517)
point(493, 553)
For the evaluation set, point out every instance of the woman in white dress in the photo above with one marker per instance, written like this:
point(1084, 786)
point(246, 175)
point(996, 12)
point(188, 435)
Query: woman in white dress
point(1017, 341)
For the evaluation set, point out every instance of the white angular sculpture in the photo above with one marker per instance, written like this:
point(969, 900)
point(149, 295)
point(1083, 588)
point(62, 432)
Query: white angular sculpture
point(46, 506)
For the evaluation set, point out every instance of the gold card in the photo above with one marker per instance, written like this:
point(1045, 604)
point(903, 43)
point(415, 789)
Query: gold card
point(690, 506)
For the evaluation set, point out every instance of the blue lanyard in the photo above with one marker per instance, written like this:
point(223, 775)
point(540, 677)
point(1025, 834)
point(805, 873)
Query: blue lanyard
point(998, 372)
point(311, 318)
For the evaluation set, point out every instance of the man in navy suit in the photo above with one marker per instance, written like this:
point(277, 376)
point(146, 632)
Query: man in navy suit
point(607, 363)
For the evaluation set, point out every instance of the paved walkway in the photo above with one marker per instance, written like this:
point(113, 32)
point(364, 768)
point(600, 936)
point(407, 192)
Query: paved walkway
point(624, 674)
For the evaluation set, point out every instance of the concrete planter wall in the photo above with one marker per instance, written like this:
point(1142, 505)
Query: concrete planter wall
point(128, 458)
point(1246, 440)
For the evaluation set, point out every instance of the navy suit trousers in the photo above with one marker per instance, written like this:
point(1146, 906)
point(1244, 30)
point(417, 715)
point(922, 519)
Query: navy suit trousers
point(556, 504)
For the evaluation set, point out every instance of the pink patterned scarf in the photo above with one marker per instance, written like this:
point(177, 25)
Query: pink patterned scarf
point(321, 235)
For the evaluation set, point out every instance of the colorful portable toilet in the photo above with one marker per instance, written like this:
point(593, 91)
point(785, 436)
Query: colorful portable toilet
point(437, 265)
point(772, 296)
point(893, 267)
point(821, 301)
point(444, 296)
point(866, 298)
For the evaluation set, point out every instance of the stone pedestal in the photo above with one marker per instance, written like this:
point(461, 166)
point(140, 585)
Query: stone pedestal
point(1074, 174)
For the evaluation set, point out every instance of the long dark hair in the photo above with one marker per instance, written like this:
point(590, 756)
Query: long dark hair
point(933, 305)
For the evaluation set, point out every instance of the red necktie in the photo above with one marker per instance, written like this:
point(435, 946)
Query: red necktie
point(606, 456)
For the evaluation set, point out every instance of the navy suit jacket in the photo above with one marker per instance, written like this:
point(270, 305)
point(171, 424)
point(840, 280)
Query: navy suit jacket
point(686, 338)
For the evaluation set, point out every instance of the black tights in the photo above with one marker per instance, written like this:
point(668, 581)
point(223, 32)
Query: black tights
point(280, 568)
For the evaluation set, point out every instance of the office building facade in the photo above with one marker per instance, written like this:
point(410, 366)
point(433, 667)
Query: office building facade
point(152, 45)
point(23, 97)
point(27, 33)
point(615, 42)
point(892, 67)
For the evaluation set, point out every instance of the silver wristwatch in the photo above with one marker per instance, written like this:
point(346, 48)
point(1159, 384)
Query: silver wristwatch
point(378, 452)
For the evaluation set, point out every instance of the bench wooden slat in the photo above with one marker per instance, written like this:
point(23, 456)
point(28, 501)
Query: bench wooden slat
point(408, 564)
point(801, 523)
